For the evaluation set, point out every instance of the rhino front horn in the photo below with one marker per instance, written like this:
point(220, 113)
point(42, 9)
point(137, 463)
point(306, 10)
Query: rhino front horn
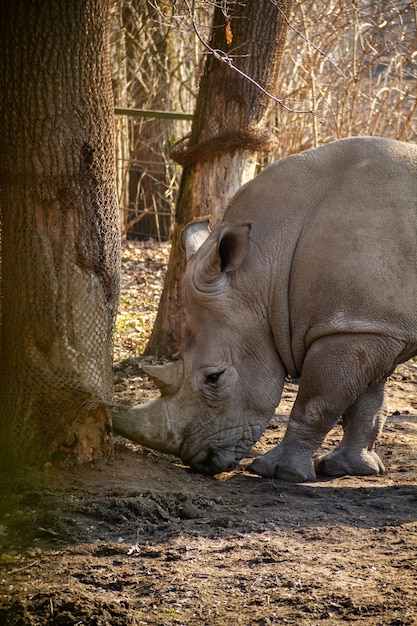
point(149, 425)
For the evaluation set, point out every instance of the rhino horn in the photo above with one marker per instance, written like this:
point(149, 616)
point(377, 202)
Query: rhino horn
point(167, 377)
point(226, 254)
point(149, 425)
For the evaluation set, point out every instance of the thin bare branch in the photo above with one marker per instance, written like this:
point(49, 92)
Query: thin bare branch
point(223, 57)
point(308, 41)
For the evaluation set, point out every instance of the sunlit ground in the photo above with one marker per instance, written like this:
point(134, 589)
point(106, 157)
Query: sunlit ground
point(143, 272)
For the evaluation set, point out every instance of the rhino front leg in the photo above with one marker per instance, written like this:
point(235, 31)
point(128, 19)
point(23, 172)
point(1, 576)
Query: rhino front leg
point(362, 425)
point(337, 372)
point(292, 458)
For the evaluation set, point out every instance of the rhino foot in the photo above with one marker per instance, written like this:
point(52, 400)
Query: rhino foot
point(291, 468)
point(342, 462)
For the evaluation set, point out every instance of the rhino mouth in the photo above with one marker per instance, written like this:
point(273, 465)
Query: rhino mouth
point(212, 461)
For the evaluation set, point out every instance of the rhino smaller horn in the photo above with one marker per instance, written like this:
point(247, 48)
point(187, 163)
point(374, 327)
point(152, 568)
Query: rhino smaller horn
point(167, 377)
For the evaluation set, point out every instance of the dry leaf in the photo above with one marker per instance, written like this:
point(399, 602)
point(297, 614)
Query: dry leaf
point(229, 34)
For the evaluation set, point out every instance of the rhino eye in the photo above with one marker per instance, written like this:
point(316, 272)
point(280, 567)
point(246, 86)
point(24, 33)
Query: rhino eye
point(211, 379)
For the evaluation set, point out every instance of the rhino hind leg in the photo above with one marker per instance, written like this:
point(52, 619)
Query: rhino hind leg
point(338, 379)
point(362, 425)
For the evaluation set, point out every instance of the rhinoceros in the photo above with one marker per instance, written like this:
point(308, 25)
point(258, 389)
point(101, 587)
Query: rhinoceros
point(311, 274)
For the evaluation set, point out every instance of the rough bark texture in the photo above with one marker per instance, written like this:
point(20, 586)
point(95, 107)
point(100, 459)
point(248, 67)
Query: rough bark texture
point(228, 132)
point(59, 231)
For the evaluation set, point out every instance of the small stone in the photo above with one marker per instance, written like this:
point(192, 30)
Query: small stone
point(188, 511)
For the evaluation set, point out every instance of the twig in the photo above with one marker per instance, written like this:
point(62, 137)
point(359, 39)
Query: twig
point(49, 531)
point(20, 569)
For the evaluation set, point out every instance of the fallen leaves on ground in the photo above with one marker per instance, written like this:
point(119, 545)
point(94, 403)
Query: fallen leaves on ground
point(144, 266)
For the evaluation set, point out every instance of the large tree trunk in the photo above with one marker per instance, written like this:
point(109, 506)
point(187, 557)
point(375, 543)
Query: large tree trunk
point(228, 132)
point(59, 231)
point(120, 88)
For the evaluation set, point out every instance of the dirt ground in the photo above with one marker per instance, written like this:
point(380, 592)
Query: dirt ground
point(142, 540)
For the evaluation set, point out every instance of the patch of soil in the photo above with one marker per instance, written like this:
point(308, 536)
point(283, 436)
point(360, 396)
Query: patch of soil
point(142, 540)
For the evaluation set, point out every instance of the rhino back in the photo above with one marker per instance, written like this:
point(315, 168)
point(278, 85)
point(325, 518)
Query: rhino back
point(335, 242)
point(356, 259)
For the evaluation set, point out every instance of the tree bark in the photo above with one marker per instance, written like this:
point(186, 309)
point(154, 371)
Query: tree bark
point(229, 131)
point(59, 232)
point(120, 88)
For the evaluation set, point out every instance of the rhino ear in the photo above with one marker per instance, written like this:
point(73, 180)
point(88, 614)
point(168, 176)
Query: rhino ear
point(228, 253)
point(168, 377)
point(229, 248)
point(193, 236)
point(233, 246)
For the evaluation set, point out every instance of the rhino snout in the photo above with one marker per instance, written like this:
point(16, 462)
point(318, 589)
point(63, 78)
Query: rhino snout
point(212, 461)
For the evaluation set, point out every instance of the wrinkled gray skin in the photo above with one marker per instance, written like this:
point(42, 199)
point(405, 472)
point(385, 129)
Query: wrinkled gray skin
point(311, 273)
